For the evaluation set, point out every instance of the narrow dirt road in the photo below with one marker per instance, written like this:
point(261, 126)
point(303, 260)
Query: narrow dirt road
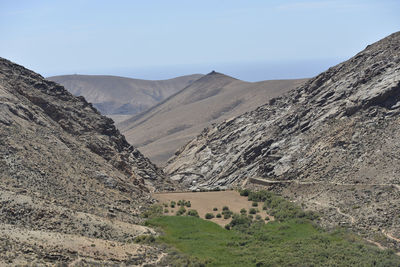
point(263, 181)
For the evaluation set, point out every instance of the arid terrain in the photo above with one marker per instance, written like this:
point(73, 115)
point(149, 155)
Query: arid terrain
point(331, 144)
point(71, 189)
point(163, 129)
point(205, 202)
point(119, 97)
point(316, 159)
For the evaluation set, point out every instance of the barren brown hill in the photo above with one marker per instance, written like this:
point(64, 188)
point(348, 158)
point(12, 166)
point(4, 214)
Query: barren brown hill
point(119, 97)
point(71, 187)
point(332, 144)
point(161, 130)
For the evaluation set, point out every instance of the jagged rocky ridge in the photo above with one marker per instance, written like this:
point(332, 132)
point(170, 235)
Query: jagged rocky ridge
point(65, 169)
point(335, 141)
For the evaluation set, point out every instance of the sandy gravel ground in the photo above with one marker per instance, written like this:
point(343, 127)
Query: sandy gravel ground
point(204, 202)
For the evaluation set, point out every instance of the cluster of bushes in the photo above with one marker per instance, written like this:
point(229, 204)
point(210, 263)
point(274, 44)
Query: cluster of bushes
point(209, 216)
point(193, 213)
point(184, 203)
point(277, 206)
point(253, 211)
point(243, 223)
point(209, 190)
point(226, 213)
point(239, 221)
point(181, 203)
point(180, 211)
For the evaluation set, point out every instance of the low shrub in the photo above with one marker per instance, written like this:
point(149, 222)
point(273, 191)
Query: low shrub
point(181, 211)
point(244, 192)
point(225, 208)
point(243, 211)
point(284, 210)
point(193, 213)
point(218, 215)
point(227, 215)
point(252, 211)
point(260, 196)
point(215, 209)
point(254, 204)
point(240, 222)
point(166, 210)
point(209, 216)
point(172, 204)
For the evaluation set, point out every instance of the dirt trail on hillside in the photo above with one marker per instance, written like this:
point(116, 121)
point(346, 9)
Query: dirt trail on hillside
point(352, 219)
point(390, 236)
point(266, 182)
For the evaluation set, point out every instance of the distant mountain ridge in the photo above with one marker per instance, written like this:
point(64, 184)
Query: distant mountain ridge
point(162, 129)
point(114, 95)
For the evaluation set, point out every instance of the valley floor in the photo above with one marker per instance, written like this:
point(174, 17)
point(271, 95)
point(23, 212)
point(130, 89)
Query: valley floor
point(293, 238)
point(205, 202)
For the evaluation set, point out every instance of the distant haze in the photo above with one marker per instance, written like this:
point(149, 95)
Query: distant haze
point(158, 39)
point(250, 71)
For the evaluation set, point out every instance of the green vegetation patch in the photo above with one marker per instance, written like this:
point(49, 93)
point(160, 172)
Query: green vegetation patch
point(291, 243)
point(293, 239)
point(199, 238)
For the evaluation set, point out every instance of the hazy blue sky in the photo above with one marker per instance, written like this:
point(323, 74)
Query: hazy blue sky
point(154, 39)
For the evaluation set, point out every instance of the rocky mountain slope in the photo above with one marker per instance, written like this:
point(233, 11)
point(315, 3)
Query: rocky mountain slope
point(71, 186)
point(332, 144)
point(119, 97)
point(161, 130)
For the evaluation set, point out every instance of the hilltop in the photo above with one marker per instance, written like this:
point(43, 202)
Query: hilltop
point(161, 130)
point(121, 97)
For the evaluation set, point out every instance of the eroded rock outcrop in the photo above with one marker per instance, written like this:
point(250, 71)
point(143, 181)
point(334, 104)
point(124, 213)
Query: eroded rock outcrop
point(335, 139)
point(65, 169)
